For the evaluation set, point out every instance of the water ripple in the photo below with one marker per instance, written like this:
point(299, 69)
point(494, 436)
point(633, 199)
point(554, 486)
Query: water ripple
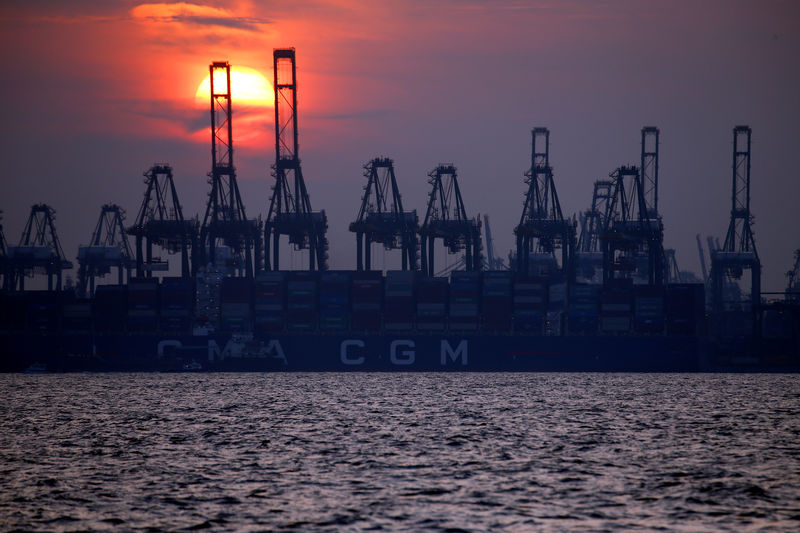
point(400, 452)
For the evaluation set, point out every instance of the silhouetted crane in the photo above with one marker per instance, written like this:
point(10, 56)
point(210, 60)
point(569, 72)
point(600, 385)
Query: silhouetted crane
point(108, 248)
point(39, 250)
point(381, 218)
point(290, 206)
point(446, 219)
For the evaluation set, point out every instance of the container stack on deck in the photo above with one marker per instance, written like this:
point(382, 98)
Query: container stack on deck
point(269, 301)
point(301, 301)
point(236, 304)
point(366, 300)
point(177, 305)
point(399, 297)
point(334, 300)
point(530, 305)
point(616, 306)
point(432, 304)
point(497, 304)
point(465, 301)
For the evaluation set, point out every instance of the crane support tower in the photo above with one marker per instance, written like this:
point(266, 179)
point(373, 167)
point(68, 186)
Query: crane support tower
point(632, 242)
point(225, 221)
point(446, 219)
point(739, 251)
point(108, 248)
point(160, 221)
point(542, 231)
point(589, 255)
point(39, 250)
point(290, 207)
point(382, 219)
point(3, 253)
point(793, 277)
point(649, 169)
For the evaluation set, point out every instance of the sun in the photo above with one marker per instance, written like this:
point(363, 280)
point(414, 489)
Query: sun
point(248, 87)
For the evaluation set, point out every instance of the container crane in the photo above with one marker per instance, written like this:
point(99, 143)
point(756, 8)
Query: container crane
point(225, 222)
point(542, 231)
point(381, 218)
point(446, 219)
point(108, 248)
point(738, 254)
point(39, 250)
point(160, 221)
point(290, 211)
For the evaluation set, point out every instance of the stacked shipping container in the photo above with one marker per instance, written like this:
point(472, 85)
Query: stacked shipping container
point(399, 307)
point(465, 298)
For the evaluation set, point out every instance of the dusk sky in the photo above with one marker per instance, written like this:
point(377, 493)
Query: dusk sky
point(97, 91)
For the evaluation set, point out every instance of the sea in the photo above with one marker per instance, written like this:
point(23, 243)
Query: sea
point(399, 452)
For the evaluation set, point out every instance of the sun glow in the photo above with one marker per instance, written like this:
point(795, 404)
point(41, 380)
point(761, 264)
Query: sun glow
point(248, 87)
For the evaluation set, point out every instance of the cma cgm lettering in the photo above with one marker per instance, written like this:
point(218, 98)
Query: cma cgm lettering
point(402, 352)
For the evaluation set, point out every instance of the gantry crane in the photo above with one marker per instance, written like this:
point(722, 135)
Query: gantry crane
point(739, 251)
point(290, 207)
point(629, 233)
point(108, 248)
point(3, 253)
point(160, 221)
point(446, 219)
point(381, 218)
point(542, 231)
point(39, 250)
point(225, 221)
point(793, 277)
point(589, 255)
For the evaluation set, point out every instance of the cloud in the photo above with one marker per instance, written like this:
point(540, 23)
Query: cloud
point(196, 15)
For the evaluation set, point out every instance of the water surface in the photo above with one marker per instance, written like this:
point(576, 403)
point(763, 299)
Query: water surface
point(438, 452)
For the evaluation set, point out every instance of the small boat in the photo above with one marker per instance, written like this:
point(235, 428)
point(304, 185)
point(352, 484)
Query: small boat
point(36, 368)
point(192, 366)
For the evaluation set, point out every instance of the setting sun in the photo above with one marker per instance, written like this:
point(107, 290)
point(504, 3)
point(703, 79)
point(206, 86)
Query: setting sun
point(248, 86)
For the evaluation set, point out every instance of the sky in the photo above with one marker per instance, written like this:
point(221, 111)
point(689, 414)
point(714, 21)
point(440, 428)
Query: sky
point(97, 91)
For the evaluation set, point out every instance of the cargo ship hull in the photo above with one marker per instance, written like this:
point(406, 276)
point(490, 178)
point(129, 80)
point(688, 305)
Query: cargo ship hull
point(400, 351)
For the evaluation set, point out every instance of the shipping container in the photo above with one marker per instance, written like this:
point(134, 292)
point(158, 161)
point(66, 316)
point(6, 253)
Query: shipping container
point(177, 304)
point(302, 302)
point(464, 300)
point(110, 308)
point(685, 309)
point(366, 300)
point(13, 307)
point(43, 312)
point(269, 301)
point(143, 304)
point(616, 307)
point(399, 305)
point(432, 299)
point(77, 316)
point(496, 300)
point(648, 309)
point(236, 303)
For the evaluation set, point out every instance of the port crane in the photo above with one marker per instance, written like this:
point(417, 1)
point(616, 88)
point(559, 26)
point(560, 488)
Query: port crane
point(381, 218)
point(793, 277)
point(446, 219)
point(3, 253)
point(160, 221)
point(290, 211)
point(542, 231)
point(630, 234)
point(702, 259)
point(738, 254)
point(225, 222)
point(108, 248)
point(39, 250)
point(589, 255)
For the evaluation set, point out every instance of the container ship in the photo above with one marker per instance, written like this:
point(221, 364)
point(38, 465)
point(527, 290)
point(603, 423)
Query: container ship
point(597, 292)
